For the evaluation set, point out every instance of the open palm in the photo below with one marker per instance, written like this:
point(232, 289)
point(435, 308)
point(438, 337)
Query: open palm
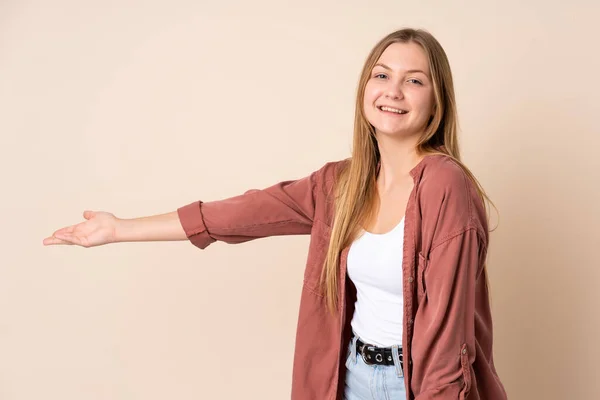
point(98, 229)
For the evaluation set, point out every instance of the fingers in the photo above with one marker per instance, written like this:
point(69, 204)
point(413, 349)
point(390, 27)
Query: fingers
point(49, 241)
point(70, 229)
point(65, 230)
point(69, 238)
point(65, 239)
point(66, 235)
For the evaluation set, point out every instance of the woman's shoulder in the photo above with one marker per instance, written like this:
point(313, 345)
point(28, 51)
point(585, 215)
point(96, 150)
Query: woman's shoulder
point(441, 175)
point(446, 190)
point(442, 171)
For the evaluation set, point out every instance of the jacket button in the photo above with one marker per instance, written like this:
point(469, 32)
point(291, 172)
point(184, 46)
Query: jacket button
point(411, 279)
point(464, 351)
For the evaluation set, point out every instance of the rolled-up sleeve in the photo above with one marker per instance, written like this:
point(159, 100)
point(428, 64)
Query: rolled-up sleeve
point(443, 351)
point(285, 208)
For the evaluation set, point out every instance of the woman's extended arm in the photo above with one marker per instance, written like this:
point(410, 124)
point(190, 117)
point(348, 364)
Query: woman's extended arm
point(101, 228)
point(285, 208)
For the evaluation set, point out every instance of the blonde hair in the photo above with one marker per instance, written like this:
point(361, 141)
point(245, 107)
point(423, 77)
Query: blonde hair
point(355, 191)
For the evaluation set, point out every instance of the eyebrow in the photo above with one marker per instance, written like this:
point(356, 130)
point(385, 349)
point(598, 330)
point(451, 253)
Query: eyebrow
point(410, 71)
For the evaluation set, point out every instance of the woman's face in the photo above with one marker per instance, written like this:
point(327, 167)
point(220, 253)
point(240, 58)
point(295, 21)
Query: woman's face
point(399, 97)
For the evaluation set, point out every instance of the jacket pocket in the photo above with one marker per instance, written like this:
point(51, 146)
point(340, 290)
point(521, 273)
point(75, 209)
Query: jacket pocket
point(466, 372)
point(317, 251)
point(421, 267)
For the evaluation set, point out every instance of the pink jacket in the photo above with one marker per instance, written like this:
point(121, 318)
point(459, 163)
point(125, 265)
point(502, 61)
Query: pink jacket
point(447, 334)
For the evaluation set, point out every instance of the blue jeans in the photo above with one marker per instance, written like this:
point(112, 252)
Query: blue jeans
point(373, 382)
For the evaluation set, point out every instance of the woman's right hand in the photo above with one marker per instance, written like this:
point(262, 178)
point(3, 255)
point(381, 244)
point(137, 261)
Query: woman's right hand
point(99, 228)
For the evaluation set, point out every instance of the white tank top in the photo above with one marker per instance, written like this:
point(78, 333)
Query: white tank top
point(375, 268)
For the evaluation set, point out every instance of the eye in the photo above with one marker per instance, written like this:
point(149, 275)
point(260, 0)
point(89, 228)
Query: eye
point(380, 76)
point(418, 82)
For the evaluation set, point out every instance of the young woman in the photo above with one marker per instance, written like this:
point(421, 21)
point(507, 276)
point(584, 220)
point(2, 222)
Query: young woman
point(395, 297)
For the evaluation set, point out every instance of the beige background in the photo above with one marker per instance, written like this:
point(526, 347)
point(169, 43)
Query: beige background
point(139, 107)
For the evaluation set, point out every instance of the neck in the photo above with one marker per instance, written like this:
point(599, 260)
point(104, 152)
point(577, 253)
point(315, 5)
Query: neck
point(398, 158)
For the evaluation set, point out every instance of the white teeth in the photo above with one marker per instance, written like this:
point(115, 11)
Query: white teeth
point(395, 110)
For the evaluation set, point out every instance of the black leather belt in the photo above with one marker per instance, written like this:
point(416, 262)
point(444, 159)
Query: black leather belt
point(373, 355)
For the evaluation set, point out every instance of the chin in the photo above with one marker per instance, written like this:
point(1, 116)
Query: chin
point(400, 133)
point(387, 131)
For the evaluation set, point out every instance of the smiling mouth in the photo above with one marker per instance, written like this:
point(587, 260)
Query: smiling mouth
point(392, 110)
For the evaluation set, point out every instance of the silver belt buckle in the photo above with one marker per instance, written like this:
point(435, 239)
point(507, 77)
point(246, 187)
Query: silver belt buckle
point(378, 357)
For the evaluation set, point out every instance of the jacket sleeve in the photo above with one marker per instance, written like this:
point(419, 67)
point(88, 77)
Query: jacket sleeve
point(444, 328)
point(285, 208)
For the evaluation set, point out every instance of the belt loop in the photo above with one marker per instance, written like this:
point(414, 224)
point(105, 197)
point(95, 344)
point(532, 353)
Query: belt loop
point(352, 358)
point(396, 356)
point(353, 349)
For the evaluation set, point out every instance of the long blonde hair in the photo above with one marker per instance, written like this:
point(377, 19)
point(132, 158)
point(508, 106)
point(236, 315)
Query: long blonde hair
point(355, 191)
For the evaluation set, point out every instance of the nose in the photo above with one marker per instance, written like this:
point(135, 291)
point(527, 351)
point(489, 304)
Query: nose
point(393, 92)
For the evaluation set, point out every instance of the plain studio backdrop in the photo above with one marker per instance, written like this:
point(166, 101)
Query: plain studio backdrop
point(139, 107)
